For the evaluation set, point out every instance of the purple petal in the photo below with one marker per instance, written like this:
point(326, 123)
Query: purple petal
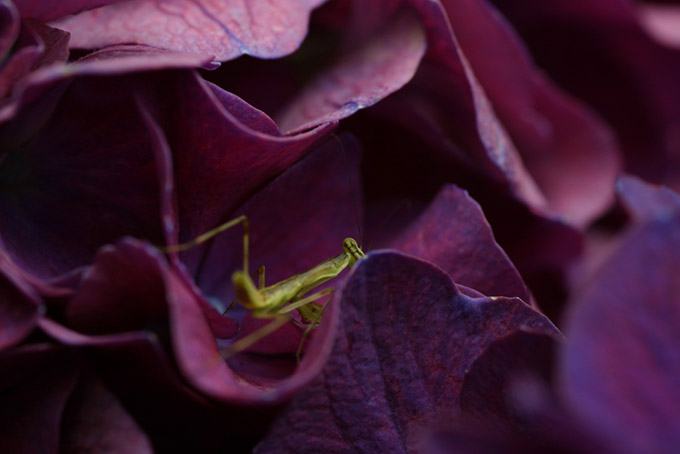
point(382, 65)
point(19, 306)
point(9, 27)
point(225, 30)
point(453, 234)
point(621, 364)
point(35, 385)
point(95, 421)
point(406, 339)
point(566, 148)
point(47, 10)
point(645, 201)
point(509, 404)
point(508, 384)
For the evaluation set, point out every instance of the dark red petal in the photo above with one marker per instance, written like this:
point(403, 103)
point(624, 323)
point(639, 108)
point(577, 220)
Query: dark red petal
point(406, 340)
point(224, 29)
point(35, 385)
point(124, 290)
point(95, 421)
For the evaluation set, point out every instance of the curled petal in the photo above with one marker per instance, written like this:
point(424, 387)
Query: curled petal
point(406, 339)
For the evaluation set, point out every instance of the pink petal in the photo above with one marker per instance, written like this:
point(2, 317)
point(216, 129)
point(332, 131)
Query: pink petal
point(382, 65)
point(223, 29)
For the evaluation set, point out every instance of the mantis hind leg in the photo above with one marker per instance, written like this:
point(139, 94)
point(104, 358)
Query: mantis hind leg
point(210, 234)
point(249, 340)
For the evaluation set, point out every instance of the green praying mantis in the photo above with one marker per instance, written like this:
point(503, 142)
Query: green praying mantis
point(277, 301)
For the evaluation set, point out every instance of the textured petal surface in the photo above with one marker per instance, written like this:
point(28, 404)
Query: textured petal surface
point(223, 29)
point(453, 234)
point(407, 337)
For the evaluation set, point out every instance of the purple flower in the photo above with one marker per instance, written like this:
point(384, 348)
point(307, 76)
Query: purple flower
point(456, 140)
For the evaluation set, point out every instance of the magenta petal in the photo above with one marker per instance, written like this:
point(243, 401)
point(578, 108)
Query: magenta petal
point(35, 385)
point(599, 52)
point(406, 340)
point(621, 365)
point(662, 22)
point(224, 29)
point(95, 421)
point(379, 67)
point(453, 234)
point(566, 148)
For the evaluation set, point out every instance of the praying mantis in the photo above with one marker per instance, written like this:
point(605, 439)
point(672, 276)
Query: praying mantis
point(276, 301)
